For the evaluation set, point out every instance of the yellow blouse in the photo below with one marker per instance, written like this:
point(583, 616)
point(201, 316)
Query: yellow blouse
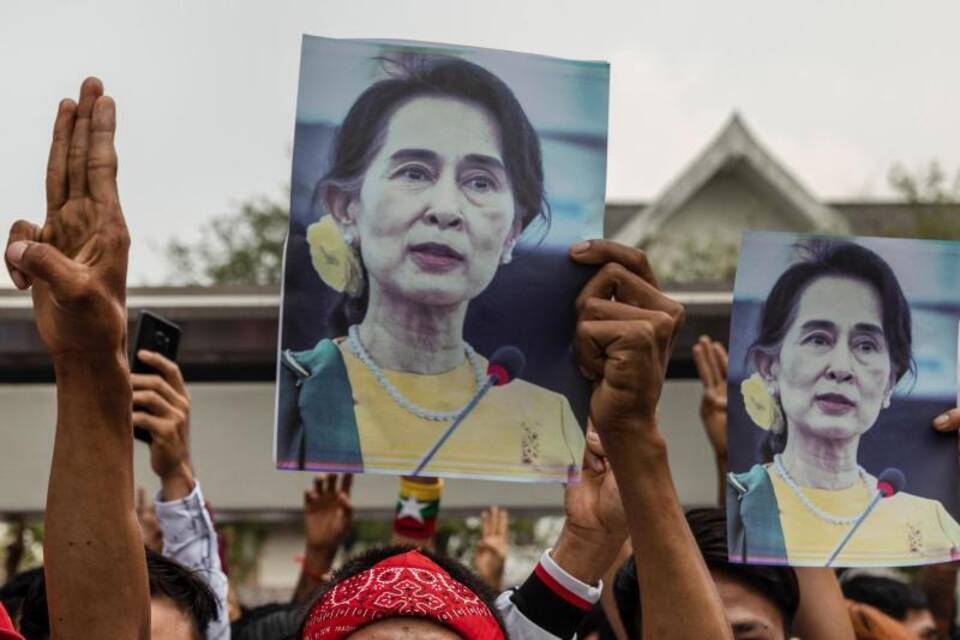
point(518, 431)
point(902, 530)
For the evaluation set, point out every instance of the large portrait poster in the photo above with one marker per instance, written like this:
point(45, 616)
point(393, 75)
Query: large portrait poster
point(427, 309)
point(843, 351)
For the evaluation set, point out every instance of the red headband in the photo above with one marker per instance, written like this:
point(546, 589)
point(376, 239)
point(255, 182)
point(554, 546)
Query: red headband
point(405, 585)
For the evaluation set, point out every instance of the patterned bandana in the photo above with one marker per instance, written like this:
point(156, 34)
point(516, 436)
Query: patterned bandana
point(405, 585)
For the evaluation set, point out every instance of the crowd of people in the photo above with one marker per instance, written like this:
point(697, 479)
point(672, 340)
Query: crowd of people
point(628, 562)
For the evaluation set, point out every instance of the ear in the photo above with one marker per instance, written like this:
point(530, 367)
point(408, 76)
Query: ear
point(513, 237)
point(768, 366)
point(341, 205)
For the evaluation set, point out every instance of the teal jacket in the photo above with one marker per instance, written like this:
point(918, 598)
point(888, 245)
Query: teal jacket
point(754, 532)
point(316, 423)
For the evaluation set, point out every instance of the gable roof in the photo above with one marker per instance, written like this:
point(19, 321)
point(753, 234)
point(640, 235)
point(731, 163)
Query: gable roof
point(735, 147)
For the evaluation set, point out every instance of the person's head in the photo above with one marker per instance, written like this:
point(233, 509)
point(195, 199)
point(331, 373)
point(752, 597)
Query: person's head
point(898, 600)
point(181, 603)
point(834, 340)
point(399, 592)
point(760, 601)
point(435, 172)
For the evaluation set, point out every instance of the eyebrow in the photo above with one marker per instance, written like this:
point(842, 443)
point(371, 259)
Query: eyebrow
point(426, 155)
point(402, 155)
point(826, 325)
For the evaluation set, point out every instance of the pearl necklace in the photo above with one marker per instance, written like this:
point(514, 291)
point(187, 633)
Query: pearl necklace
point(356, 346)
point(812, 508)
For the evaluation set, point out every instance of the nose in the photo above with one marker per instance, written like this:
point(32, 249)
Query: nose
point(840, 366)
point(444, 208)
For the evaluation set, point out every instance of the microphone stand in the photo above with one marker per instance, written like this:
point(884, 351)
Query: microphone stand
point(856, 525)
point(482, 391)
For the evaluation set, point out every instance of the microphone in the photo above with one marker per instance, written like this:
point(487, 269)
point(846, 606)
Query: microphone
point(505, 365)
point(889, 483)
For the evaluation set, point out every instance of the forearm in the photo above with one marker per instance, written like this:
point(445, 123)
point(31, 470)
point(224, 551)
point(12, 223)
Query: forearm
point(672, 575)
point(93, 551)
point(316, 564)
point(584, 558)
point(822, 614)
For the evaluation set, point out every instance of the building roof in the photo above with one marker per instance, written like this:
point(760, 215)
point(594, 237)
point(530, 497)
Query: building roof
point(735, 148)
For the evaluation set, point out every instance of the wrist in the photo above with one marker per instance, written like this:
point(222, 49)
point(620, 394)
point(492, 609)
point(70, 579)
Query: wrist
point(585, 555)
point(318, 558)
point(177, 483)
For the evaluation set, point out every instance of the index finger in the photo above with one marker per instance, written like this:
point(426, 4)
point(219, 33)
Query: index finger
point(167, 368)
point(598, 252)
point(90, 90)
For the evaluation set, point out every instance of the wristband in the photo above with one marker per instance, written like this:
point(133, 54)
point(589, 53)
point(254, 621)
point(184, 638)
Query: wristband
point(417, 508)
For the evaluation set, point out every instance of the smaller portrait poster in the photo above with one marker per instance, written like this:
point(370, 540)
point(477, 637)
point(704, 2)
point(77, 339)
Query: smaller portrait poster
point(842, 354)
point(427, 310)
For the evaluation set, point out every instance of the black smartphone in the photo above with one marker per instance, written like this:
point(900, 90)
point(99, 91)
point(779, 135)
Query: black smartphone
point(154, 333)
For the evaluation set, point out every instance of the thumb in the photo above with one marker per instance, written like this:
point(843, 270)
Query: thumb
point(42, 261)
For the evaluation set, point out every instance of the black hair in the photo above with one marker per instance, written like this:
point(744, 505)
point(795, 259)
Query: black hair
point(168, 579)
point(776, 583)
point(457, 570)
point(360, 135)
point(596, 622)
point(16, 589)
point(821, 257)
point(890, 596)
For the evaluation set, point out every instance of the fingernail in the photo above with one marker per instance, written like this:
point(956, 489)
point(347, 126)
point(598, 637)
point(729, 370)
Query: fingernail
point(15, 251)
point(941, 420)
point(18, 280)
point(598, 465)
point(593, 437)
point(580, 247)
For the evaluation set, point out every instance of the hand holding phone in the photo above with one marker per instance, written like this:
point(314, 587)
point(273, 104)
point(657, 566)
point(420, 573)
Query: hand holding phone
point(159, 335)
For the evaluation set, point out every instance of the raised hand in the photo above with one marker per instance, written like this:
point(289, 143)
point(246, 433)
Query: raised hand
point(77, 261)
point(161, 405)
point(625, 332)
point(711, 360)
point(327, 517)
point(327, 512)
point(490, 554)
point(595, 525)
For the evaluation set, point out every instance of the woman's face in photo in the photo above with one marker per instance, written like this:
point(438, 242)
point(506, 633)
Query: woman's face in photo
point(436, 209)
point(834, 370)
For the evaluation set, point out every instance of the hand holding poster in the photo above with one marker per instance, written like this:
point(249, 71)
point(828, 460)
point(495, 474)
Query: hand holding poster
point(841, 356)
point(435, 193)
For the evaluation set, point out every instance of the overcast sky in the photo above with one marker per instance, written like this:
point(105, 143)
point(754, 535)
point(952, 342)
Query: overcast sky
point(206, 91)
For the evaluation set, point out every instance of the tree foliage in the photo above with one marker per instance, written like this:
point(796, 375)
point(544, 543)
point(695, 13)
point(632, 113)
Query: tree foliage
point(242, 248)
point(927, 190)
point(929, 185)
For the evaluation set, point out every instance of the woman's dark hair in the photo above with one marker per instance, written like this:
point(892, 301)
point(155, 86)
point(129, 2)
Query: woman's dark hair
point(709, 527)
point(361, 134)
point(822, 257)
point(457, 570)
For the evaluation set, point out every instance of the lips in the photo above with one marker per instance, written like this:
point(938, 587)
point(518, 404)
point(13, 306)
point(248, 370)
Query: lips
point(834, 403)
point(435, 256)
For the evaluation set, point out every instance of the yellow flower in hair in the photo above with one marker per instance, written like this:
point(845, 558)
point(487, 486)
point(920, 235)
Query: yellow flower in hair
point(336, 262)
point(761, 406)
